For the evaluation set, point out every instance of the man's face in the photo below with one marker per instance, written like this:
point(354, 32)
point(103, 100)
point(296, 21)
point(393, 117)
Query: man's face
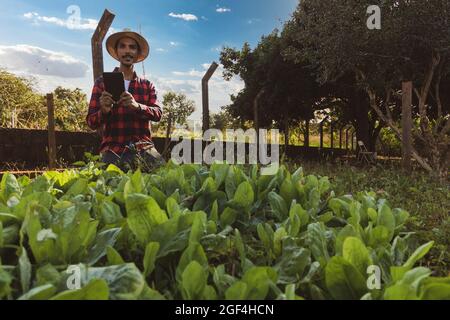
point(127, 51)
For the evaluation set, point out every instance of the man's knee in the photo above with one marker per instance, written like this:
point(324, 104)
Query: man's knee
point(154, 157)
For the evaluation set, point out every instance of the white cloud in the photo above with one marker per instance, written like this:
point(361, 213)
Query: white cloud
point(161, 50)
point(184, 16)
point(189, 83)
point(174, 44)
point(223, 10)
point(39, 61)
point(191, 73)
point(82, 24)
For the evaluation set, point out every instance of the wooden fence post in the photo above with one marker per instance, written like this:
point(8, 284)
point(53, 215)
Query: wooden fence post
point(406, 124)
point(205, 95)
point(51, 132)
point(307, 133)
point(353, 140)
point(97, 42)
point(332, 134)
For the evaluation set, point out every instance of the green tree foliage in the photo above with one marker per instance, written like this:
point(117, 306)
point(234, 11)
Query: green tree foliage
point(22, 107)
point(223, 120)
point(177, 108)
point(412, 45)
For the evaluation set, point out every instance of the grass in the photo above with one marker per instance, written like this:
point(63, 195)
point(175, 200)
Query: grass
point(427, 200)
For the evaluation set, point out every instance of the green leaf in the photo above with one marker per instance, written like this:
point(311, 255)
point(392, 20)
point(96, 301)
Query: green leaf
point(244, 195)
point(159, 196)
point(110, 213)
point(343, 280)
point(355, 252)
point(150, 257)
point(143, 215)
point(228, 217)
point(113, 256)
point(25, 270)
point(5, 282)
point(9, 187)
point(193, 281)
point(288, 191)
point(436, 289)
point(47, 274)
point(293, 263)
point(344, 233)
point(150, 294)
point(44, 292)
point(400, 291)
point(379, 236)
point(173, 207)
point(317, 241)
point(278, 206)
point(238, 291)
point(102, 241)
point(194, 252)
point(125, 281)
point(259, 280)
point(96, 289)
point(386, 219)
point(198, 228)
point(418, 254)
point(219, 171)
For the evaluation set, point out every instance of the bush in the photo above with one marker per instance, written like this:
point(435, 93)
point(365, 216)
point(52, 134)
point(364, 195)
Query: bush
point(193, 232)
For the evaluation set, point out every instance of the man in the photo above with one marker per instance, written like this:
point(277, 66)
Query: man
point(125, 124)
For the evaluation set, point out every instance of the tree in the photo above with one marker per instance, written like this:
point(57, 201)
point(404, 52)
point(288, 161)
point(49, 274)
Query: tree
point(20, 106)
point(70, 109)
point(282, 92)
point(223, 120)
point(412, 45)
point(177, 108)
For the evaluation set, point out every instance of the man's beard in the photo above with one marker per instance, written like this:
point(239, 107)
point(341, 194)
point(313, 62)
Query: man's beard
point(127, 62)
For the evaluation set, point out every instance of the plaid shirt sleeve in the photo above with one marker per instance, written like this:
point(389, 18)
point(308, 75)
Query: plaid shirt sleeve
point(151, 110)
point(95, 119)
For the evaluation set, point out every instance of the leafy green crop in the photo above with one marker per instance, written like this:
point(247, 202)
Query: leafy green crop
point(195, 232)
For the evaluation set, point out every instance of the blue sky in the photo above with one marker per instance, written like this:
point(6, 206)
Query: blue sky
point(184, 35)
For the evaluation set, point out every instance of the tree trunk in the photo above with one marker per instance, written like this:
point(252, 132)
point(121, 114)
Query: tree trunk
point(168, 131)
point(361, 107)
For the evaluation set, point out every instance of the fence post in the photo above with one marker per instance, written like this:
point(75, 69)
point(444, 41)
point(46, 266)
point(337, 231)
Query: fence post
point(353, 140)
point(307, 133)
point(332, 134)
point(51, 132)
point(406, 125)
point(346, 138)
point(340, 138)
point(97, 42)
point(205, 96)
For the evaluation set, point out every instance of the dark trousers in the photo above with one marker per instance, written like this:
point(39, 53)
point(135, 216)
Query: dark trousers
point(146, 159)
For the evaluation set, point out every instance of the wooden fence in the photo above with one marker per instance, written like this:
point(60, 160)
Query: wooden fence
point(29, 148)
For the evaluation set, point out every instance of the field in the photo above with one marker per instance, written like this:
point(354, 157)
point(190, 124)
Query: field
point(224, 232)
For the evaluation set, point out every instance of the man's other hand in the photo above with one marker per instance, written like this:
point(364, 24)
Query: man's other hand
point(106, 102)
point(127, 100)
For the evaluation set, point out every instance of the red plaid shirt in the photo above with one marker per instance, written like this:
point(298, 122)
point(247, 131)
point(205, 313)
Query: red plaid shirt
point(123, 125)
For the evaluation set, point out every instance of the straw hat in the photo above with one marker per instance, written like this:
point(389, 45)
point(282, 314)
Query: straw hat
point(112, 40)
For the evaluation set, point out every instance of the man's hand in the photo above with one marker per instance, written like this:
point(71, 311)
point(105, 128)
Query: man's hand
point(127, 100)
point(106, 102)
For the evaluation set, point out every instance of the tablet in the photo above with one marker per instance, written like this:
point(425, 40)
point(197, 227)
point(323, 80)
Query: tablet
point(114, 84)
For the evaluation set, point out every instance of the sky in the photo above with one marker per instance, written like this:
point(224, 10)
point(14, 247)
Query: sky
point(39, 39)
